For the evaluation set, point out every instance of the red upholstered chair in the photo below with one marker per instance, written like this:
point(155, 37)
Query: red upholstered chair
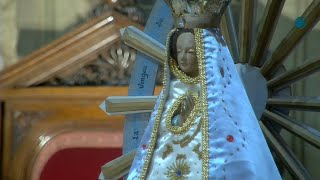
point(78, 163)
point(67, 151)
point(77, 155)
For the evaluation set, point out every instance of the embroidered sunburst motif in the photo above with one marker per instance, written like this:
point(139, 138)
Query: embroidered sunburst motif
point(178, 170)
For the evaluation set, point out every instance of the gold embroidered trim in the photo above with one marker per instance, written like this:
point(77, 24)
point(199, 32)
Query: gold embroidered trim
point(204, 102)
point(181, 75)
point(186, 140)
point(168, 151)
point(178, 170)
point(190, 120)
point(197, 150)
point(154, 133)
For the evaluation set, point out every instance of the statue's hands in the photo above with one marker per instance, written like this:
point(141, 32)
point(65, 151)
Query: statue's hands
point(183, 112)
point(186, 107)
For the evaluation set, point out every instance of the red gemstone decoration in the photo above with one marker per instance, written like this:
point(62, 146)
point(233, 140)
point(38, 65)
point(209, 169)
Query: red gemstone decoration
point(144, 146)
point(230, 138)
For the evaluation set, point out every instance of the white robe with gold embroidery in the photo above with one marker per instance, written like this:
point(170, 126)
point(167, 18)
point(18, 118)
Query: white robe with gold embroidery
point(174, 150)
point(232, 143)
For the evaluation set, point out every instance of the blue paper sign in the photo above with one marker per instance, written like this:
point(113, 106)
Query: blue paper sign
point(144, 74)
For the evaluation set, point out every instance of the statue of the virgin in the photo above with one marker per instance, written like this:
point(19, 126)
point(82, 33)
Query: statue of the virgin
point(202, 126)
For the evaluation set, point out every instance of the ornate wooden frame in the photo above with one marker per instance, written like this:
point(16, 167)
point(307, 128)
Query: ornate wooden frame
point(35, 116)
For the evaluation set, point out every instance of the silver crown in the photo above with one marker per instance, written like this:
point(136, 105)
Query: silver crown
point(197, 13)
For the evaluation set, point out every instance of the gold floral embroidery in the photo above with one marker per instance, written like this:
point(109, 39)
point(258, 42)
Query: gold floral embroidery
point(204, 102)
point(181, 156)
point(197, 150)
point(182, 141)
point(167, 152)
point(178, 170)
point(178, 130)
point(181, 75)
point(187, 139)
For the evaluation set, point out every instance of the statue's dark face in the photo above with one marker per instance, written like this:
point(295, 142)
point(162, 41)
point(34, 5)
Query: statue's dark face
point(186, 54)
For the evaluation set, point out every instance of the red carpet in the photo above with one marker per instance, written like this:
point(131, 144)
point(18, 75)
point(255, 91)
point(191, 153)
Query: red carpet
point(78, 163)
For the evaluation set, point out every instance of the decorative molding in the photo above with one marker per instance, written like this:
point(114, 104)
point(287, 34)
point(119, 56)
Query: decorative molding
point(136, 10)
point(112, 68)
point(22, 123)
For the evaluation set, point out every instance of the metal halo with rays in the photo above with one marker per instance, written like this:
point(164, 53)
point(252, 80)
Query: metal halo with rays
point(274, 115)
point(267, 73)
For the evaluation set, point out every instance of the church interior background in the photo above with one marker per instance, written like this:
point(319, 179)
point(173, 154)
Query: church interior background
point(53, 108)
